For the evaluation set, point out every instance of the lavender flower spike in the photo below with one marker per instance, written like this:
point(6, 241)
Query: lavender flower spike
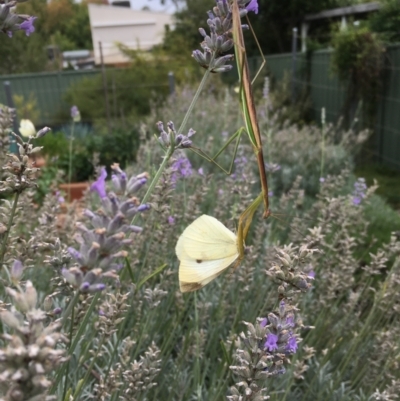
point(16, 270)
point(360, 189)
point(75, 114)
point(119, 178)
point(100, 184)
point(96, 287)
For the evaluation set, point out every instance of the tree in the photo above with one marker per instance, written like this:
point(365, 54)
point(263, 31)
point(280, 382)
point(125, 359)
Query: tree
point(22, 53)
point(185, 36)
point(60, 23)
point(272, 25)
point(387, 21)
point(275, 21)
point(67, 25)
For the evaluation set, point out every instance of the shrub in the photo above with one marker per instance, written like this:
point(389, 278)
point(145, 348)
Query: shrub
point(358, 60)
point(91, 146)
point(131, 91)
point(386, 21)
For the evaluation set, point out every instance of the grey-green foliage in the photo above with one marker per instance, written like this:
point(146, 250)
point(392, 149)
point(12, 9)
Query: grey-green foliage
point(185, 342)
point(7, 116)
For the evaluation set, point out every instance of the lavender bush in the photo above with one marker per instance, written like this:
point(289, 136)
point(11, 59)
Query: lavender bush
point(91, 304)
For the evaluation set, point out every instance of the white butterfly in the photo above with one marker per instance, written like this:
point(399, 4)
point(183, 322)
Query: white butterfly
point(205, 249)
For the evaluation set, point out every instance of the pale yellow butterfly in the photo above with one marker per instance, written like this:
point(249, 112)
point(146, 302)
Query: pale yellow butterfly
point(205, 249)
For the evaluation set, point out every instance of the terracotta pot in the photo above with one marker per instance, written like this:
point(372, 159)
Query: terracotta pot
point(74, 191)
point(37, 161)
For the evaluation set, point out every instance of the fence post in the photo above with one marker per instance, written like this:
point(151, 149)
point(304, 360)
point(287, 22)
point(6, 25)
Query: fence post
point(103, 73)
point(171, 82)
point(10, 103)
point(114, 92)
point(294, 56)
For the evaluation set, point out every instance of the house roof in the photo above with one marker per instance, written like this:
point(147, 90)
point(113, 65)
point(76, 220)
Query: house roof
point(343, 11)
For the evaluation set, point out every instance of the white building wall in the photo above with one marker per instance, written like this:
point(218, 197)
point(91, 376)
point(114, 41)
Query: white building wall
point(132, 28)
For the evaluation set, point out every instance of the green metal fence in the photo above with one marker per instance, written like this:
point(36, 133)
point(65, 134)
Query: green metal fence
point(388, 122)
point(313, 72)
point(326, 91)
point(48, 89)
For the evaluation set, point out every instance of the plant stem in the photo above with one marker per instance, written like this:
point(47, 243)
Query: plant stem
point(71, 139)
point(171, 149)
point(7, 233)
point(156, 178)
point(197, 328)
point(89, 369)
point(70, 308)
point(78, 337)
point(193, 102)
point(71, 328)
point(321, 174)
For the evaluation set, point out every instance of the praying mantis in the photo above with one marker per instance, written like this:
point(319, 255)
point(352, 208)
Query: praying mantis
point(206, 248)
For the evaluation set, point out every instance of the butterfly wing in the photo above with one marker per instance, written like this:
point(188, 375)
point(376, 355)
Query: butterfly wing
point(205, 249)
point(206, 239)
point(195, 274)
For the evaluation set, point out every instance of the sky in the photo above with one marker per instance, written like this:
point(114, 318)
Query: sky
point(154, 5)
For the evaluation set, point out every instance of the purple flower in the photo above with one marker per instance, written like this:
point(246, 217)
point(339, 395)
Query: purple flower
point(119, 181)
point(271, 343)
point(27, 26)
point(74, 111)
point(182, 167)
point(252, 6)
point(240, 163)
point(200, 171)
point(76, 255)
point(41, 133)
point(292, 344)
point(241, 160)
point(85, 286)
point(171, 220)
point(360, 189)
point(311, 274)
point(264, 322)
point(9, 34)
point(60, 198)
point(75, 114)
point(73, 276)
point(272, 167)
point(143, 208)
point(321, 179)
point(95, 287)
point(16, 270)
point(135, 184)
point(290, 321)
point(270, 194)
point(100, 184)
